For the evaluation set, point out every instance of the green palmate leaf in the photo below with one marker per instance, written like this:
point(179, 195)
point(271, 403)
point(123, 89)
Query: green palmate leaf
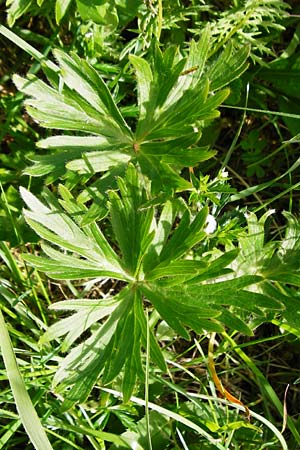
point(176, 96)
point(116, 343)
point(149, 251)
point(176, 91)
point(153, 246)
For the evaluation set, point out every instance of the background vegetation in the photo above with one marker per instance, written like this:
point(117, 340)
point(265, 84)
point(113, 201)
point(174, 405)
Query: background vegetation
point(149, 224)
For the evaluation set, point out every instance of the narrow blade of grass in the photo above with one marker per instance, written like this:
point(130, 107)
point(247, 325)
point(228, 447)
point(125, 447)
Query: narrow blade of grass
point(27, 413)
point(15, 39)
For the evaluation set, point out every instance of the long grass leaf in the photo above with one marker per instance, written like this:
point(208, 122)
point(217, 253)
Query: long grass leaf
point(27, 413)
point(15, 39)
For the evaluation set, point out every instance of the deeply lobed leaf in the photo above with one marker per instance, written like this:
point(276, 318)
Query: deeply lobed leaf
point(152, 252)
point(176, 96)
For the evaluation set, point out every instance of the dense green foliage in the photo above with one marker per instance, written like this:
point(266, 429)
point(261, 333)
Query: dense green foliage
point(125, 244)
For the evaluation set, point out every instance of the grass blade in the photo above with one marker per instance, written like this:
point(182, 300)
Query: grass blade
point(15, 39)
point(27, 413)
